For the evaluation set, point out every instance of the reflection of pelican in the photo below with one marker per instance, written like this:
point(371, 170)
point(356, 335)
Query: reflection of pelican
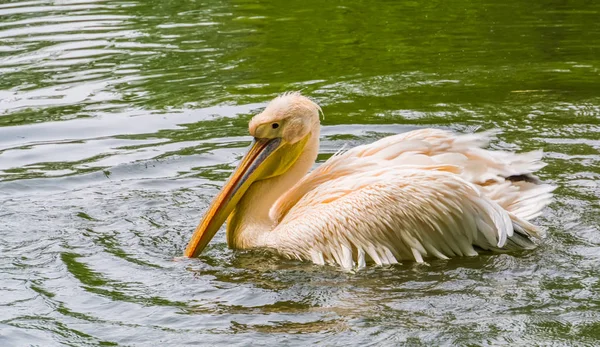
point(425, 193)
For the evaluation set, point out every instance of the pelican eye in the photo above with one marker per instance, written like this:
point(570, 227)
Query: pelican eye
point(275, 125)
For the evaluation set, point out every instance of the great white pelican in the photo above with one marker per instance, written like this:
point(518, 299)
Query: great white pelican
point(424, 193)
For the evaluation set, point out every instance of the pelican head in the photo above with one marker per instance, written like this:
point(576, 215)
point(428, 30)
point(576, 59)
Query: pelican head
point(280, 133)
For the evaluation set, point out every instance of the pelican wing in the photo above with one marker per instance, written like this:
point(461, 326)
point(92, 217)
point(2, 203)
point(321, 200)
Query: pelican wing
point(426, 193)
point(504, 177)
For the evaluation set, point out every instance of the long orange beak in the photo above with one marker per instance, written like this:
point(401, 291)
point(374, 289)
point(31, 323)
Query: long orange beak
point(230, 194)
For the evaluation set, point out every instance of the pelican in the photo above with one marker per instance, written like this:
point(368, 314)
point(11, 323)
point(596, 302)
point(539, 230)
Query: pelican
point(423, 194)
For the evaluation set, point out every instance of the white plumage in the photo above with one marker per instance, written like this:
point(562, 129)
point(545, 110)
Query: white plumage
point(426, 193)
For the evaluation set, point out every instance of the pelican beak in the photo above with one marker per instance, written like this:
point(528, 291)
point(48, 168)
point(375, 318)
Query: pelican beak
point(249, 170)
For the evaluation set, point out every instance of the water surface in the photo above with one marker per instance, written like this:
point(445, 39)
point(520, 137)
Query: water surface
point(119, 121)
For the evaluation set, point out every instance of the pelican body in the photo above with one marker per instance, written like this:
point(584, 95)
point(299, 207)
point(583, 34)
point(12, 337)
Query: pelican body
point(425, 193)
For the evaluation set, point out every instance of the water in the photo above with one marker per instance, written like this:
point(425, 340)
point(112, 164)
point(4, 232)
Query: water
point(119, 120)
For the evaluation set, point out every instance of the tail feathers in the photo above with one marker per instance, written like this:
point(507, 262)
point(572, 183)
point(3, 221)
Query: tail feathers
point(524, 235)
point(531, 200)
point(524, 199)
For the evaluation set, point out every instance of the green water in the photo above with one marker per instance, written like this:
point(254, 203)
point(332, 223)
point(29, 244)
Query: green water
point(119, 121)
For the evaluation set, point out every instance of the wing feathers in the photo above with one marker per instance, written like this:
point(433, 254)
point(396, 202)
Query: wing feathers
point(426, 193)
